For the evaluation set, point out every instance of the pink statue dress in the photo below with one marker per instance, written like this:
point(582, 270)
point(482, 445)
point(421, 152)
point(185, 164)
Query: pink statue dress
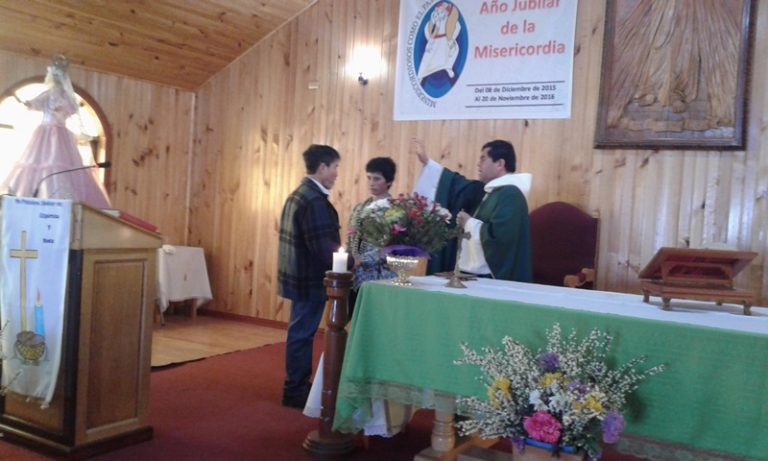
point(52, 149)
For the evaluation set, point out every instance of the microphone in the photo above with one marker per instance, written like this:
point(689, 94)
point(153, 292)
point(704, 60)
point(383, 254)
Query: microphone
point(97, 165)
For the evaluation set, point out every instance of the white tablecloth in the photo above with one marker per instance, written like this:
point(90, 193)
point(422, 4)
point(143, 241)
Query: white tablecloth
point(181, 275)
point(389, 418)
point(728, 316)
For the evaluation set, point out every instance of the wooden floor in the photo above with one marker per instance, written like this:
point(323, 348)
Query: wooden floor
point(182, 339)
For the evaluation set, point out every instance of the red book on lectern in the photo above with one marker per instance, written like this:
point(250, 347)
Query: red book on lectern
point(129, 218)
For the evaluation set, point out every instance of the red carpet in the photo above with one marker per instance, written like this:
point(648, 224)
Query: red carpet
point(228, 408)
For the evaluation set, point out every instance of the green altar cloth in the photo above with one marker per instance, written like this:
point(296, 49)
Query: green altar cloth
point(403, 342)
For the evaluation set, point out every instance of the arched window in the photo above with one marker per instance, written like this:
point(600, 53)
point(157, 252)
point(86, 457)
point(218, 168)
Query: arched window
point(17, 123)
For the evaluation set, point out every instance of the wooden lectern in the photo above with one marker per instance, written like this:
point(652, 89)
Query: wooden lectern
point(699, 274)
point(101, 400)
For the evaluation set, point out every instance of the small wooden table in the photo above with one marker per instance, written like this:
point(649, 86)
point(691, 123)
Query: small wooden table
point(698, 274)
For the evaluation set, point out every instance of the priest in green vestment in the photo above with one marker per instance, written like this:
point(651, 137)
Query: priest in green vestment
point(493, 210)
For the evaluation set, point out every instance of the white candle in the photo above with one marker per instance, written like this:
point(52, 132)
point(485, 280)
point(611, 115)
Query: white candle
point(340, 261)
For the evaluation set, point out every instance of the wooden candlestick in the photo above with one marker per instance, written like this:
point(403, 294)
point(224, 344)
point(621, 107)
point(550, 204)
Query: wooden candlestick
point(325, 441)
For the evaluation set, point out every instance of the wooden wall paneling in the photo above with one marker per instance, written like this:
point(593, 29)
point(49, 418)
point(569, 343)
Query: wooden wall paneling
point(756, 167)
point(287, 166)
point(227, 190)
point(363, 38)
point(637, 215)
point(687, 199)
point(739, 184)
point(345, 123)
point(242, 174)
point(321, 28)
point(669, 201)
point(585, 90)
point(398, 141)
point(590, 23)
point(151, 152)
point(241, 157)
point(649, 217)
point(699, 176)
point(615, 197)
point(281, 137)
point(383, 129)
point(299, 116)
point(260, 191)
point(203, 222)
point(726, 198)
point(197, 235)
point(711, 224)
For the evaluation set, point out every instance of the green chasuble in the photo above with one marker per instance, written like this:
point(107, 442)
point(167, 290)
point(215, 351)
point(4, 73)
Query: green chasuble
point(505, 234)
point(455, 193)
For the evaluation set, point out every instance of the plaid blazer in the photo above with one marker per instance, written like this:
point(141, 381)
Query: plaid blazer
point(309, 234)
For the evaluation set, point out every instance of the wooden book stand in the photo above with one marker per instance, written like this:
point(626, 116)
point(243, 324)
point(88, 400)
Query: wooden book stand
point(699, 274)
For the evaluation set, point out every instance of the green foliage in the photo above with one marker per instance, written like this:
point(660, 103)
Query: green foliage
point(410, 220)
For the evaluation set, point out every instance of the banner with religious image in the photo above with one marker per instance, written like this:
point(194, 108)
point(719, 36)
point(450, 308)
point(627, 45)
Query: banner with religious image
point(33, 273)
point(472, 59)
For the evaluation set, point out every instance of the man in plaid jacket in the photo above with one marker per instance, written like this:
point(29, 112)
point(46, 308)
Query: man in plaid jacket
point(309, 234)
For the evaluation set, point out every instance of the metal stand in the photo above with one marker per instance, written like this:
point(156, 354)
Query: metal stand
point(455, 280)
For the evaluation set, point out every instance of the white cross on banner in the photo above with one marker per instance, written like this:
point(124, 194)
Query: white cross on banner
point(33, 271)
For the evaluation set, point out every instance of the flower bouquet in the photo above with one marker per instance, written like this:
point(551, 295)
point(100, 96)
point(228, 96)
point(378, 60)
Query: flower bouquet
point(397, 224)
point(565, 397)
point(406, 227)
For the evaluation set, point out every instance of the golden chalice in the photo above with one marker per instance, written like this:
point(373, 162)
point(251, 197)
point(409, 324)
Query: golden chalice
point(403, 266)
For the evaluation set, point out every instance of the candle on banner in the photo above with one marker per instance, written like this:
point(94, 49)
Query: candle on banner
point(39, 319)
point(340, 261)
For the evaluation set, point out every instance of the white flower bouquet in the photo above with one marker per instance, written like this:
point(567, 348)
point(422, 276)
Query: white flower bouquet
point(565, 396)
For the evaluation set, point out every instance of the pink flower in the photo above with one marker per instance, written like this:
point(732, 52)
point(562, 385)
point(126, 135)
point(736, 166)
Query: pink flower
point(352, 231)
point(397, 228)
point(543, 427)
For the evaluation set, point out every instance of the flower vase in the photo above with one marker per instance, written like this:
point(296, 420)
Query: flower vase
point(533, 450)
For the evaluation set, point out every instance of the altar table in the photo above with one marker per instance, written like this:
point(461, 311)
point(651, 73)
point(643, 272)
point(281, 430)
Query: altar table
point(182, 275)
point(403, 342)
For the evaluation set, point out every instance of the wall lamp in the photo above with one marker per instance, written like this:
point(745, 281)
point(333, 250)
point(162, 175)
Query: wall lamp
point(365, 63)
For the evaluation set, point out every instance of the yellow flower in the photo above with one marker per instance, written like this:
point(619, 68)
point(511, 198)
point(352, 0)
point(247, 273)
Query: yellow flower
point(592, 402)
point(393, 215)
point(550, 378)
point(499, 384)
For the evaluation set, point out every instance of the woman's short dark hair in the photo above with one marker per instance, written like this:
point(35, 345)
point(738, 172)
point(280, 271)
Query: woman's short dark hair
point(317, 154)
point(385, 166)
point(498, 150)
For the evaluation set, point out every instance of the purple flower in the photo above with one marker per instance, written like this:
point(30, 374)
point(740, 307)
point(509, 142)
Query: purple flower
point(548, 361)
point(578, 387)
point(612, 426)
point(519, 442)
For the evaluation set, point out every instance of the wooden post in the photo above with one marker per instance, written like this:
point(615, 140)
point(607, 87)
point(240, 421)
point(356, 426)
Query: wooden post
point(324, 441)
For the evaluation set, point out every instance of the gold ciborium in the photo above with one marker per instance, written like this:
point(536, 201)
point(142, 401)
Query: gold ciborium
point(403, 266)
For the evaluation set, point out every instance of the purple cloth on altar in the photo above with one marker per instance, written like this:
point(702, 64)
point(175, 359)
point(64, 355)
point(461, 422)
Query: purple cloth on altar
point(404, 250)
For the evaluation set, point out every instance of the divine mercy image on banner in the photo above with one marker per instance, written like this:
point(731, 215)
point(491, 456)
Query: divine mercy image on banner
point(470, 59)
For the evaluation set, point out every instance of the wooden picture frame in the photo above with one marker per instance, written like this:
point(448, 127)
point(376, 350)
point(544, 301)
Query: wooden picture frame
point(660, 61)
